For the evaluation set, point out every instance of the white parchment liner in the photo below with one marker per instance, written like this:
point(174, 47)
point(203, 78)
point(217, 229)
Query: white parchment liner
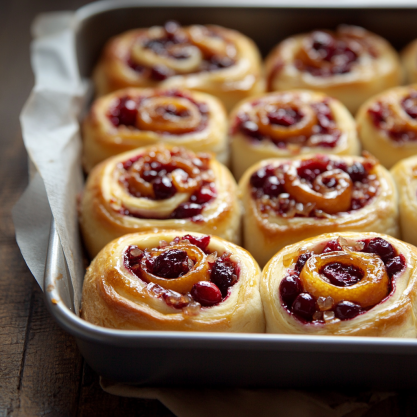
point(50, 129)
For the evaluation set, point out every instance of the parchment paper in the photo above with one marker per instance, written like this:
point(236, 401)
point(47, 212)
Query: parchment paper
point(51, 135)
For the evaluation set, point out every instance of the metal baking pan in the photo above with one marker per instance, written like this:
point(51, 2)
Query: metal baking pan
point(218, 359)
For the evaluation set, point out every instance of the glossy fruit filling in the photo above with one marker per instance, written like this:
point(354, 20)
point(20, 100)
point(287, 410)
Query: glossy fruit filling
point(161, 174)
point(317, 308)
point(194, 48)
point(317, 187)
point(297, 125)
point(167, 112)
point(398, 125)
point(196, 277)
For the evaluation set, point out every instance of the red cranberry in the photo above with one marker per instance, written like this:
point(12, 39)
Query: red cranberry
point(340, 165)
point(203, 195)
point(272, 187)
point(357, 172)
point(163, 188)
point(331, 246)
point(132, 258)
point(149, 175)
point(395, 265)
point(206, 293)
point(124, 113)
point(284, 117)
point(410, 106)
point(160, 73)
point(201, 242)
point(258, 178)
point(223, 275)
point(172, 263)
point(304, 306)
point(309, 169)
point(380, 247)
point(346, 310)
point(187, 210)
point(377, 114)
point(289, 289)
point(302, 259)
point(251, 129)
point(342, 275)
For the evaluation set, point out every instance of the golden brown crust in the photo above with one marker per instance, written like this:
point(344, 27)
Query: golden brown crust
point(101, 139)
point(246, 151)
point(263, 236)
point(101, 220)
point(393, 317)
point(405, 177)
point(114, 297)
point(230, 84)
point(377, 140)
point(368, 76)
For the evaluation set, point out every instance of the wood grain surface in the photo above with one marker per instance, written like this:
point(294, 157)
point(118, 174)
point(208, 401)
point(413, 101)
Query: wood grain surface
point(41, 369)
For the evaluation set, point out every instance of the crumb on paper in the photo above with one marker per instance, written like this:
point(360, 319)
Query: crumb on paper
point(54, 301)
point(50, 287)
point(60, 276)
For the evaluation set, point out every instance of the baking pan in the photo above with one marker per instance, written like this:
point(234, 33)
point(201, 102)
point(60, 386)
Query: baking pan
point(218, 359)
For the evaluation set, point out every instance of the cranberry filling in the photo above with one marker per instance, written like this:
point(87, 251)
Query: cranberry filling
point(187, 210)
point(395, 265)
point(170, 45)
point(206, 293)
point(163, 188)
point(304, 306)
point(269, 181)
point(289, 289)
point(332, 245)
point(302, 259)
point(124, 112)
point(310, 168)
point(172, 263)
point(380, 114)
point(336, 51)
point(325, 132)
point(346, 310)
point(223, 275)
point(380, 247)
point(132, 258)
point(409, 104)
point(284, 117)
point(201, 242)
point(342, 275)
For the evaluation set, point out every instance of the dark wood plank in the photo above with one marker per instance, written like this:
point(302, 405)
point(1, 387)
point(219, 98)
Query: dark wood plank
point(52, 365)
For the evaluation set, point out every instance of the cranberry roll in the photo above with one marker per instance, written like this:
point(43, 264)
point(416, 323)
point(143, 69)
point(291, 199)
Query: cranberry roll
point(405, 177)
point(409, 61)
point(350, 64)
point(287, 124)
point(130, 118)
point(387, 124)
point(158, 187)
point(212, 59)
point(347, 284)
point(173, 280)
point(286, 201)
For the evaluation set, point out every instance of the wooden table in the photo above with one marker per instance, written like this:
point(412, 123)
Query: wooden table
point(41, 369)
